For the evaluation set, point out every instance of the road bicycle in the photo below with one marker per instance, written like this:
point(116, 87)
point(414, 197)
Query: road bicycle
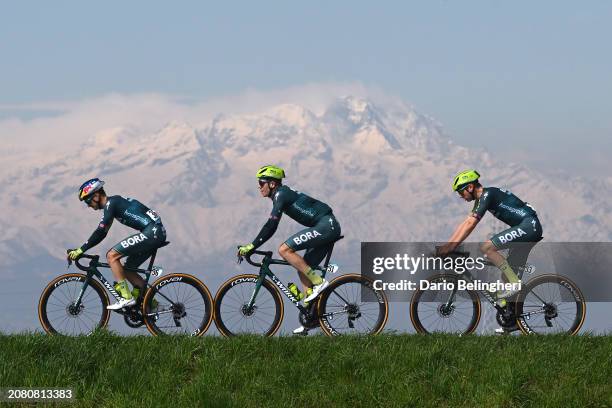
point(546, 304)
point(252, 304)
point(75, 303)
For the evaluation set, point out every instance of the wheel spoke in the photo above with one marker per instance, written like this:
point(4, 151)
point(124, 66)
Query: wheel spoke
point(342, 306)
point(234, 318)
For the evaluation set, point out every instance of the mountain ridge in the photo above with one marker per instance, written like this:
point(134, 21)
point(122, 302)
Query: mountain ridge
point(385, 170)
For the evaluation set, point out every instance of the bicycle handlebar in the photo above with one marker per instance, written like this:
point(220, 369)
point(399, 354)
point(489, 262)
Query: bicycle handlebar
point(248, 257)
point(94, 261)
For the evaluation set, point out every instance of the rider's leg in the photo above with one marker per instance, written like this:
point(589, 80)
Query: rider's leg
point(134, 261)
point(324, 232)
point(490, 250)
point(114, 260)
point(137, 248)
point(289, 255)
point(518, 254)
point(528, 231)
point(314, 256)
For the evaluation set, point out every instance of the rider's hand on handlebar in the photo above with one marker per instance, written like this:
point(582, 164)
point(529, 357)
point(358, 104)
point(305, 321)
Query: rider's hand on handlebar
point(245, 249)
point(75, 254)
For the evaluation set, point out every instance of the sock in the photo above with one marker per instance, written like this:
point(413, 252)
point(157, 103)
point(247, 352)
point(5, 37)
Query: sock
point(313, 277)
point(136, 292)
point(508, 272)
point(124, 291)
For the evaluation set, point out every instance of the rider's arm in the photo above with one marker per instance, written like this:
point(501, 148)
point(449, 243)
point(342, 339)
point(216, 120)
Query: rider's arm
point(100, 233)
point(483, 203)
point(271, 225)
point(266, 232)
point(463, 231)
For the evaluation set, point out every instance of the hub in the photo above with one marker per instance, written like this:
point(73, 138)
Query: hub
point(353, 311)
point(178, 310)
point(550, 311)
point(248, 311)
point(446, 310)
point(73, 310)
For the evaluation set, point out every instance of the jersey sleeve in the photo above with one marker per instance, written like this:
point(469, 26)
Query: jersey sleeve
point(278, 204)
point(102, 230)
point(481, 205)
point(271, 225)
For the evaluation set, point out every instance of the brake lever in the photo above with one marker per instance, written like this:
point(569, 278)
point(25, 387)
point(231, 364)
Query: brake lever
point(68, 259)
point(240, 257)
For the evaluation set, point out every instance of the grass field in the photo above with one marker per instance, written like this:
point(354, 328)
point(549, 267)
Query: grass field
point(388, 370)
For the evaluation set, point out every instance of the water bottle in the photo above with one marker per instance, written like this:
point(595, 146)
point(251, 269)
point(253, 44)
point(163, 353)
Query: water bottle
point(295, 291)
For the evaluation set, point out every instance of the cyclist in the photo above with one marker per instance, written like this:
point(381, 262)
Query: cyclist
point(137, 247)
point(525, 228)
point(323, 228)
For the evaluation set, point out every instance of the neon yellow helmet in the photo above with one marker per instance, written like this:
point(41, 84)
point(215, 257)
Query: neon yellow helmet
point(270, 173)
point(465, 177)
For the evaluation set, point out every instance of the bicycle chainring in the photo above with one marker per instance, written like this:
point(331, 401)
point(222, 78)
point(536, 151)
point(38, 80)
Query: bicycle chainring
point(133, 318)
point(310, 320)
point(506, 319)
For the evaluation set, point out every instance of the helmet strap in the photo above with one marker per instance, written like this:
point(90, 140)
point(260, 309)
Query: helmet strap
point(473, 192)
point(272, 190)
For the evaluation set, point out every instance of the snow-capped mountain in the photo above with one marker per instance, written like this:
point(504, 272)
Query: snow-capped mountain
point(385, 170)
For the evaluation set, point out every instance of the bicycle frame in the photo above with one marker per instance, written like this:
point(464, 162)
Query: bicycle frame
point(265, 271)
point(92, 271)
point(467, 276)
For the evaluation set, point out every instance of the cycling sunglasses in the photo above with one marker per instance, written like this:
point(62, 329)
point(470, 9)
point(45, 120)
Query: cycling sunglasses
point(88, 200)
point(460, 189)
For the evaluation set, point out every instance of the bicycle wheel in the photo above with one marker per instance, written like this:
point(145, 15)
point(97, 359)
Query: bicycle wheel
point(234, 317)
point(351, 305)
point(550, 304)
point(177, 304)
point(58, 313)
point(433, 310)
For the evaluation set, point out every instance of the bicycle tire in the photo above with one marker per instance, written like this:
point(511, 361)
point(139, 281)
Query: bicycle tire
point(184, 314)
point(241, 287)
point(72, 282)
point(426, 303)
point(339, 300)
point(533, 298)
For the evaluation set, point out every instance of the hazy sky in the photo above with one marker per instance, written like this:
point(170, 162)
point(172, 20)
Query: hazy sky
point(527, 80)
